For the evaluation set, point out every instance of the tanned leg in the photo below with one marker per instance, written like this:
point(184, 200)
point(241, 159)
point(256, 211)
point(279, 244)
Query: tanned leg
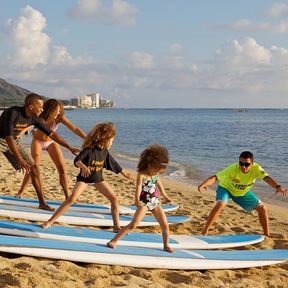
point(220, 205)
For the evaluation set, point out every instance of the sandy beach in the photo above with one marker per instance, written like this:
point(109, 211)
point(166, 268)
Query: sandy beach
point(20, 271)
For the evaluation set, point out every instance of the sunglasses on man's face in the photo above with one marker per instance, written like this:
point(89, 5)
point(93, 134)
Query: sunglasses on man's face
point(245, 164)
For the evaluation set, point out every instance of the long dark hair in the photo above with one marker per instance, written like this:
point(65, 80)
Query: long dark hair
point(50, 106)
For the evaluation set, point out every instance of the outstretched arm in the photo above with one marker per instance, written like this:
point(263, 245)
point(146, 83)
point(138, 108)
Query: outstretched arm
point(57, 138)
point(163, 192)
point(274, 184)
point(73, 127)
point(209, 181)
point(127, 175)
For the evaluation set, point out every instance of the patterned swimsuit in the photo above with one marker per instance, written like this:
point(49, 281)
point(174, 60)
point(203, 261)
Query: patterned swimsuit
point(149, 193)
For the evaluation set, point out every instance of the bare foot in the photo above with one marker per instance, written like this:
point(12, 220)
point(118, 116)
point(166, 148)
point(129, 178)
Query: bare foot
point(168, 249)
point(45, 225)
point(111, 244)
point(18, 195)
point(46, 207)
point(204, 232)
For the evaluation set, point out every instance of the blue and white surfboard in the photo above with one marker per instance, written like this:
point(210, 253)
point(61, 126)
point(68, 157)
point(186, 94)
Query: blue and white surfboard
point(141, 257)
point(85, 208)
point(133, 239)
point(78, 218)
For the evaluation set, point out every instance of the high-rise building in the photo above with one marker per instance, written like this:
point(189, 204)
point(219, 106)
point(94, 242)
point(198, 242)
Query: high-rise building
point(95, 100)
point(84, 101)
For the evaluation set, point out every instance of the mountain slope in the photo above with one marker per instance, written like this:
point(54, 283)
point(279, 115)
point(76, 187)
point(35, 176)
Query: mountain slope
point(11, 94)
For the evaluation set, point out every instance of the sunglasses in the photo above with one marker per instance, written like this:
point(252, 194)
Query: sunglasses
point(245, 164)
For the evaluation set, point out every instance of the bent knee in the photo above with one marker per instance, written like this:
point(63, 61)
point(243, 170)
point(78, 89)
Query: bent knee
point(132, 226)
point(221, 204)
point(114, 200)
point(261, 207)
point(34, 168)
point(71, 200)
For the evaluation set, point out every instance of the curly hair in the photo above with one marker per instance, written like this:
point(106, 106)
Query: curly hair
point(100, 135)
point(49, 107)
point(154, 156)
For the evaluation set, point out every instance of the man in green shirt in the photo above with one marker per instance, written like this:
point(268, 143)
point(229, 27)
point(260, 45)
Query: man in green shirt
point(235, 182)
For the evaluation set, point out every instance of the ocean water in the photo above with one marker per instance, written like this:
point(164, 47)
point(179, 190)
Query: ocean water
point(200, 141)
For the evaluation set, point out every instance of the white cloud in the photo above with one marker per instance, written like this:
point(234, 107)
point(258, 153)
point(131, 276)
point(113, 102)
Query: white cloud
point(119, 13)
point(142, 60)
point(175, 48)
point(235, 54)
point(282, 27)
point(122, 12)
point(245, 24)
point(249, 25)
point(30, 45)
point(279, 56)
point(240, 66)
point(86, 9)
point(278, 9)
point(61, 56)
point(247, 67)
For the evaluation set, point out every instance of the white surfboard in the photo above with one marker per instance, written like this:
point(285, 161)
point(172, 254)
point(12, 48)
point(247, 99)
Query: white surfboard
point(85, 208)
point(141, 257)
point(133, 239)
point(78, 218)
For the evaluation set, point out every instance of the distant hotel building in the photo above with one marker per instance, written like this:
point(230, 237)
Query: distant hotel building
point(93, 101)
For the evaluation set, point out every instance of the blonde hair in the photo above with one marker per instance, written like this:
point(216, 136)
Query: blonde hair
point(100, 135)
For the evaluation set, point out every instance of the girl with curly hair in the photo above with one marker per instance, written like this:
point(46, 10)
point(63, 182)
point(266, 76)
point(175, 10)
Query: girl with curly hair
point(153, 161)
point(91, 161)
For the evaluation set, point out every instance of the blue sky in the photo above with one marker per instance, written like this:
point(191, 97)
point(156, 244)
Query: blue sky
point(179, 53)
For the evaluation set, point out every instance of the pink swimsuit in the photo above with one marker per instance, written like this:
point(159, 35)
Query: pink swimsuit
point(45, 144)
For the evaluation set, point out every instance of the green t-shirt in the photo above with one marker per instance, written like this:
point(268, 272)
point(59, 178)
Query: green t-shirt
point(237, 182)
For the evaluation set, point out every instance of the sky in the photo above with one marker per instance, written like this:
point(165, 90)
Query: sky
point(149, 54)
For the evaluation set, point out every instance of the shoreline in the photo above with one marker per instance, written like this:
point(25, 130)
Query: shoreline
point(263, 190)
point(25, 271)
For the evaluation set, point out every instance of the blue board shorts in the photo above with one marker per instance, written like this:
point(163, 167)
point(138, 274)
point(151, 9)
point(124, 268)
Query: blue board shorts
point(248, 202)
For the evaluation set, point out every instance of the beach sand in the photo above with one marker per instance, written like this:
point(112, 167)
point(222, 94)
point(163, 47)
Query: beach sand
point(22, 271)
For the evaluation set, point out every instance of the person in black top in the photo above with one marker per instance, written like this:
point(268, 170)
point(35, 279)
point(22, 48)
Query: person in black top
point(15, 120)
point(91, 160)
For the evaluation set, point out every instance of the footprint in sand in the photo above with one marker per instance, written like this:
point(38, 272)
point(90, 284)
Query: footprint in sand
point(238, 229)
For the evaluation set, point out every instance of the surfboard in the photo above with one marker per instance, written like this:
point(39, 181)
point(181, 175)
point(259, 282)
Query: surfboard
point(141, 257)
point(133, 239)
point(86, 208)
point(79, 218)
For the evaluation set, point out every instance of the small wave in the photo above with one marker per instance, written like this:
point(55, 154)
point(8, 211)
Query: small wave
point(177, 173)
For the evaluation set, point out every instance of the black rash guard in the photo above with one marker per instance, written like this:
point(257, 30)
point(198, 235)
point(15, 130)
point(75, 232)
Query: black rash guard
point(96, 159)
point(14, 119)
